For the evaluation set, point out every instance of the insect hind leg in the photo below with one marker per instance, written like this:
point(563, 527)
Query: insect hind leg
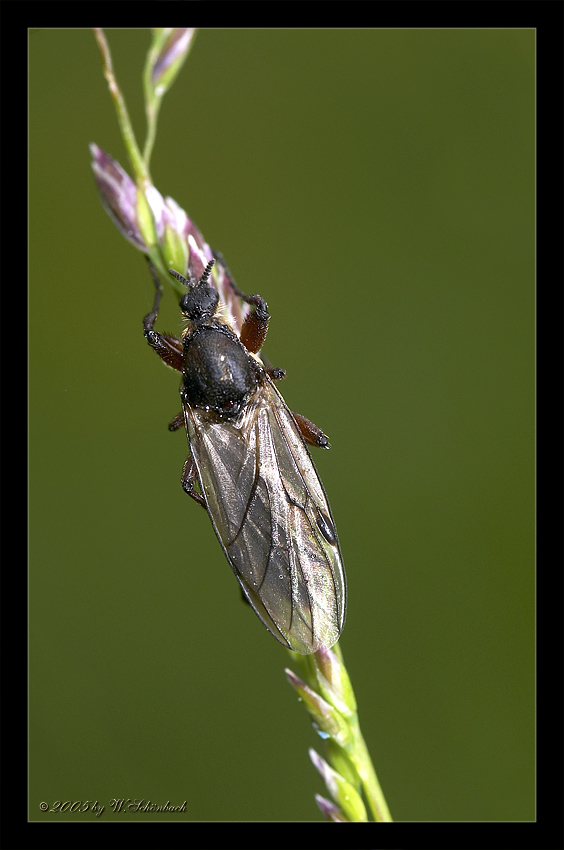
point(189, 478)
point(313, 435)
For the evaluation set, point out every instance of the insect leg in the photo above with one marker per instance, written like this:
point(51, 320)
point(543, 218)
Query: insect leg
point(169, 348)
point(189, 478)
point(313, 435)
point(255, 326)
point(177, 422)
point(273, 373)
point(151, 318)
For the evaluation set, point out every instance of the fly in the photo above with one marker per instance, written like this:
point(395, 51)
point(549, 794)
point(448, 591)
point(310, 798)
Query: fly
point(256, 478)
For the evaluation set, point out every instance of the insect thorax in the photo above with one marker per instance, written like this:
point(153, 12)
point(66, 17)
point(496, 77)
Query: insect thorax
point(218, 373)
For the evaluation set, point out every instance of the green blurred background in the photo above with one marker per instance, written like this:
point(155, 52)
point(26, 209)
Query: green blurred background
point(377, 188)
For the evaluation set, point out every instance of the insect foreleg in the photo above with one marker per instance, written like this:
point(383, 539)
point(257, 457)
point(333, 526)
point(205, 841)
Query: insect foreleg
point(189, 478)
point(151, 318)
point(255, 326)
point(168, 347)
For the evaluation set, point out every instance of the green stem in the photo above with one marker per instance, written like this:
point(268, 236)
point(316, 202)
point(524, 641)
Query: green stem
point(140, 170)
point(370, 785)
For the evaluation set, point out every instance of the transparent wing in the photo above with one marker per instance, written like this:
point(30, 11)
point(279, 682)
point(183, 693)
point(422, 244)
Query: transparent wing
point(272, 518)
